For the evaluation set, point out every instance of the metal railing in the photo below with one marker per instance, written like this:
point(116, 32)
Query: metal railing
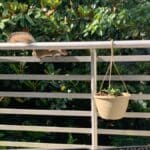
point(93, 77)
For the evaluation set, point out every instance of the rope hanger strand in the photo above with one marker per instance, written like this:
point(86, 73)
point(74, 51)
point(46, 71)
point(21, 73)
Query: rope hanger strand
point(109, 70)
point(111, 63)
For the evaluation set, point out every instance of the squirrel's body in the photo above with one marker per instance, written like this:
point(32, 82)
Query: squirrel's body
point(21, 37)
point(28, 38)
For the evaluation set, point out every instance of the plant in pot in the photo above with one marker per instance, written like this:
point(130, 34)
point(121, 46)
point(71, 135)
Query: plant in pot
point(111, 103)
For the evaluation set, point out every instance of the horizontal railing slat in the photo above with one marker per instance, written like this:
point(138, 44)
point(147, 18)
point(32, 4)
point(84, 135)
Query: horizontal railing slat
point(143, 115)
point(124, 132)
point(45, 95)
point(46, 146)
point(45, 112)
point(43, 77)
point(14, 111)
point(126, 77)
point(62, 95)
point(71, 77)
point(140, 96)
point(124, 58)
point(77, 45)
point(44, 129)
point(73, 130)
point(134, 58)
point(46, 59)
point(52, 146)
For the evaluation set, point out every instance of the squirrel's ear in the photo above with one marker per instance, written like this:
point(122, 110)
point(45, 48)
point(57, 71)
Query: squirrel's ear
point(25, 29)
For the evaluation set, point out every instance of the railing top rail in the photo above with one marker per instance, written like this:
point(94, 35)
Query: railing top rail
point(76, 45)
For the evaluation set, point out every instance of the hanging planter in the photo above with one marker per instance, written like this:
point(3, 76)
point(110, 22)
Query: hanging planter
point(112, 107)
point(111, 103)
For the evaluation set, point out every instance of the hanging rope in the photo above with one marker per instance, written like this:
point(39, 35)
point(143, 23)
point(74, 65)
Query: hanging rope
point(104, 78)
point(111, 63)
point(109, 70)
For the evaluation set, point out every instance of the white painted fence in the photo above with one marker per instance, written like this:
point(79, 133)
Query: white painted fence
point(94, 130)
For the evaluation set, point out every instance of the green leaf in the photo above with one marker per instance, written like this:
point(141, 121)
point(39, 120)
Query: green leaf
point(29, 20)
point(2, 25)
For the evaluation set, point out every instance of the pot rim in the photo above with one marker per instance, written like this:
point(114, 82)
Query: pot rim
point(124, 94)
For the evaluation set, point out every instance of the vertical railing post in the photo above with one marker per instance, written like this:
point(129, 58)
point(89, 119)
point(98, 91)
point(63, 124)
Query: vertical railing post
point(93, 91)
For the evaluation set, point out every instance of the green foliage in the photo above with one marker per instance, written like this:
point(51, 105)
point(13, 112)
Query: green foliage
point(71, 140)
point(60, 20)
point(53, 4)
point(112, 91)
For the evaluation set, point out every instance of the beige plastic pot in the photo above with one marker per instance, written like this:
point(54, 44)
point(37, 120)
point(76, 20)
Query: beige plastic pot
point(112, 107)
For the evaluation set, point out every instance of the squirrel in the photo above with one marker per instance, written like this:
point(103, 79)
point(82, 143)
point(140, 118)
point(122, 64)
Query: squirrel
point(28, 38)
